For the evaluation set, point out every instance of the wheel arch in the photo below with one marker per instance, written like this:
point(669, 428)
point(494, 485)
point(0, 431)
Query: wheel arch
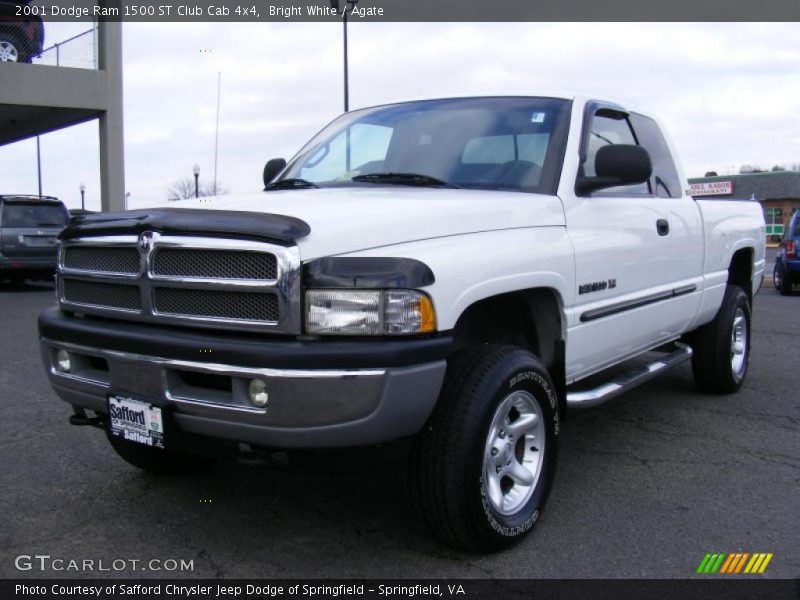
point(531, 318)
point(740, 270)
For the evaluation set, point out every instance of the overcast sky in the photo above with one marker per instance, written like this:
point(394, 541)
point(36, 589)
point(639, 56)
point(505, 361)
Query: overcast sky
point(729, 93)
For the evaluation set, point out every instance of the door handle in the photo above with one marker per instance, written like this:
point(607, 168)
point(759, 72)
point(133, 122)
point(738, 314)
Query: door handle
point(662, 226)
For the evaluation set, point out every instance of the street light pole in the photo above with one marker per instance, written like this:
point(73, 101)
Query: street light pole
point(83, 194)
point(335, 6)
point(196, 171)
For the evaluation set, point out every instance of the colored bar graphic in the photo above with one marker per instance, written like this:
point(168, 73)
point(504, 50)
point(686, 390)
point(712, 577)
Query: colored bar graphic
point(727, 564)
point(740, 564)
point(723, 563)
point(732, 563)
point(765, 563)
point(755, 563)
point(703, 563)
point(718, 563)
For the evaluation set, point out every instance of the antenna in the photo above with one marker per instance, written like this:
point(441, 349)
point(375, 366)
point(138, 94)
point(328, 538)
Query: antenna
point(216, 135)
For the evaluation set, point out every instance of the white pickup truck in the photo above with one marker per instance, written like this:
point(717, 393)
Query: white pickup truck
point(443, 270)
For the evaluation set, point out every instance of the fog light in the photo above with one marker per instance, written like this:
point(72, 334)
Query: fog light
point(63, 361)
point(258, 393)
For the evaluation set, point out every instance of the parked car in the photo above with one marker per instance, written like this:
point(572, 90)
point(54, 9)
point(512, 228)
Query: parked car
point(444, 271)
point(787, 261)
point(29, 228)
point(21, 37)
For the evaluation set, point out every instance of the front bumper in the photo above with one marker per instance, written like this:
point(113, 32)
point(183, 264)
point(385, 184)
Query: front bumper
point(313, 403)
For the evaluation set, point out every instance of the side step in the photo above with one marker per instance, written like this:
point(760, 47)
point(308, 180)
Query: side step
point(627, 381)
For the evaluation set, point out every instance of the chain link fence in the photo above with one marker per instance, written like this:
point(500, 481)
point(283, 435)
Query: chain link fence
point(27, 39)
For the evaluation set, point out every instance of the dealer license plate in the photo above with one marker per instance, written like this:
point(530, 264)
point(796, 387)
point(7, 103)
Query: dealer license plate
point(136, 421)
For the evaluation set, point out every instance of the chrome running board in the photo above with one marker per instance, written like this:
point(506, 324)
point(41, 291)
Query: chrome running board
point(629, 380)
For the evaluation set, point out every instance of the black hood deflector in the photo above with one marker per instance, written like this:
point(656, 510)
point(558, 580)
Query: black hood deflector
point(260, 226)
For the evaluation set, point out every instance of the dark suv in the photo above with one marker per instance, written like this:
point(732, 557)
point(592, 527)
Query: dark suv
point(787, 261)
point(21, 38)
point(29, 228)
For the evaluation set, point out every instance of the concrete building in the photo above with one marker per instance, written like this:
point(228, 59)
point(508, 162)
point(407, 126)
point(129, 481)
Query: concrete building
point(37, 99)
point(777, 191)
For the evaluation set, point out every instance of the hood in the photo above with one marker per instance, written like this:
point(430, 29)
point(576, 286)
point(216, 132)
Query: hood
point(346, 220)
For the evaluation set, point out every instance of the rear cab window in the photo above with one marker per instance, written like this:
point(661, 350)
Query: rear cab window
point(32, 214)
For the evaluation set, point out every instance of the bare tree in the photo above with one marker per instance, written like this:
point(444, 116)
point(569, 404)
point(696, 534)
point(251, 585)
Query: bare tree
point(181, 189)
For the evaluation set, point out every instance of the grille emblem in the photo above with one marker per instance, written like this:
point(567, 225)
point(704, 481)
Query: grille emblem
point(146, 241)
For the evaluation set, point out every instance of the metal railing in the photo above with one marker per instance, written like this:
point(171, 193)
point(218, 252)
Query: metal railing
point(77, 51)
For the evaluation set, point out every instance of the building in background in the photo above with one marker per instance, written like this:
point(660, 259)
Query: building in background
point(73, 81)
point(778, 192)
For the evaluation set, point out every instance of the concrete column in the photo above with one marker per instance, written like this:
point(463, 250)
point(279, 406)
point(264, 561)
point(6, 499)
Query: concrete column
point(112, 141)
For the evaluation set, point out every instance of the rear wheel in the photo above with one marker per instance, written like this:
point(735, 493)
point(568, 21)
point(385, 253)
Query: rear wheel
point(722, 347)
point(156, 460)
point(483, 466)
point(782, 283)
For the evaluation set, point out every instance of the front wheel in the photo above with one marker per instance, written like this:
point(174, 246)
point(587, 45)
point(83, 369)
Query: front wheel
point(722, 347)
point(483, 466)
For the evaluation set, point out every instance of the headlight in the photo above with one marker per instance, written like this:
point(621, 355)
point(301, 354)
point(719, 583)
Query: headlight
point(368, 312)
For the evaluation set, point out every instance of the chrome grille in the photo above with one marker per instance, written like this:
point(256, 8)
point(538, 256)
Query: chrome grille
point(183, 280)
point(104, 260)
point(113, 295)
point(206, 264)
point(239, 306)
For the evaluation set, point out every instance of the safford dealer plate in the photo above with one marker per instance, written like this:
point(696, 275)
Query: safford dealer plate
point(136, 421)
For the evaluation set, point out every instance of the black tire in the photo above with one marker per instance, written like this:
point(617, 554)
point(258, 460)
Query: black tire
point(448, 461)
point(156, 460)
point(713, 359)
point(782, 284)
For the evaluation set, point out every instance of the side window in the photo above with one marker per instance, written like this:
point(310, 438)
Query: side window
point(665, 180)
point(604, 131)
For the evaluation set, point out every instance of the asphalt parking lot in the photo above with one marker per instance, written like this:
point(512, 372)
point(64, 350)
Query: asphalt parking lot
point(647, 484)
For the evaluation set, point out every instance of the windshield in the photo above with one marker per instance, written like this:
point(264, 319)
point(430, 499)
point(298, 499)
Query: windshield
point(479, 143)
point(34, 215)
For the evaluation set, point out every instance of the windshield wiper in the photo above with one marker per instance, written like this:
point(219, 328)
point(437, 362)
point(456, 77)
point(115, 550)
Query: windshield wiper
point(403, 179)
point(290, 184)
point(50, 224)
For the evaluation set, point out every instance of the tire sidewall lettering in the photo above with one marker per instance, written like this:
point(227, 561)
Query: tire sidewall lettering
point(537, 385)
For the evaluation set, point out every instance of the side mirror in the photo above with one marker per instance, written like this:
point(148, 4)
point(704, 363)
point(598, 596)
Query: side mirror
point(617, 164)
point(272, 168)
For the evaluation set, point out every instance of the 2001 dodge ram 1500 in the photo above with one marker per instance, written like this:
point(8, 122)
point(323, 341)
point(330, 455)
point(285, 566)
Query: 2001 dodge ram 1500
point(444, 269)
